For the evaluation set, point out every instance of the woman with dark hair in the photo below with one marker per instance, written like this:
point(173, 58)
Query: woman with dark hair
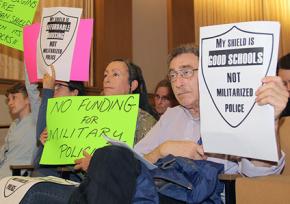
point(135, 73)
point(124, 77)
point(120, 77)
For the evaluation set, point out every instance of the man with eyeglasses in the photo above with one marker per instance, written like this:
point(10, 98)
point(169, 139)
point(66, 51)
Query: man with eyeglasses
point(178, 130)
point(283, 71)
point(176, 133)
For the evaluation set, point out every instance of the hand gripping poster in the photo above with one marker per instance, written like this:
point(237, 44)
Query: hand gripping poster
point(233, 60)
point(56, 41)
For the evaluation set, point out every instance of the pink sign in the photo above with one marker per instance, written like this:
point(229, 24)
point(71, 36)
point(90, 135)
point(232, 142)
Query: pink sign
point(30, 35)
point(81, 56)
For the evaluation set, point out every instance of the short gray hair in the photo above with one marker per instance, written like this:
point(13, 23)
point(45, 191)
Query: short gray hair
point(182, 49)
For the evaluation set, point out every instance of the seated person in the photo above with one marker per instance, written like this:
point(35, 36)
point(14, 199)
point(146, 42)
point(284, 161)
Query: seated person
point(283, 71)
point(123, 77)
point(113, 171)
point(163, 97)
point(177, 132)
point(52, 88)
point(20, 141)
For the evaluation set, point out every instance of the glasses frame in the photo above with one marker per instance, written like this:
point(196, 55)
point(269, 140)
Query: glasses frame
point(58, 85)
point(162, 98)
point(181, 73)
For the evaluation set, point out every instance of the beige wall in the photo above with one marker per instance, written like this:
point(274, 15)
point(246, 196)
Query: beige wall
point(150, 39)
point(5, 118)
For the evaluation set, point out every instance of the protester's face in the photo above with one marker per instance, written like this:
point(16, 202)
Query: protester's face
point(116, 79)
point(18, 104)
point(185, 89)
point(161, 100)
point(62, 89)
point(285, 75)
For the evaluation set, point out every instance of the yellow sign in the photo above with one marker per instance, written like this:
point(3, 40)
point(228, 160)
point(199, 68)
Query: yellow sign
point(14, 15)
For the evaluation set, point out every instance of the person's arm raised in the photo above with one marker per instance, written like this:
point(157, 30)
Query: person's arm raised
point(49, 80)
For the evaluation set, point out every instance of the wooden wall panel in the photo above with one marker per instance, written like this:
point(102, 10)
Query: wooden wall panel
point(113, 32)
point(180, 22)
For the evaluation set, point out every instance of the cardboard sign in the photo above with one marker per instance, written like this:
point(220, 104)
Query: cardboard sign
point(234, 58)
point(56, 42)
point(75, 124)
point(14, 16)
point(14, 188)
point(81, 56)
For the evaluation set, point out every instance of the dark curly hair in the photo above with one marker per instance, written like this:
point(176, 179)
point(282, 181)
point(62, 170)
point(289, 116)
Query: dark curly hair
point(78, 85)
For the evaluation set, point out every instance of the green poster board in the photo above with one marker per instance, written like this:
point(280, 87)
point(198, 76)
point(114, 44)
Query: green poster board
point(14, 15)
point(75, 124)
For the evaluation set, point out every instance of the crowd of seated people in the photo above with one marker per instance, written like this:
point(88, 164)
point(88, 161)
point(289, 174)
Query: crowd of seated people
point(112, 174)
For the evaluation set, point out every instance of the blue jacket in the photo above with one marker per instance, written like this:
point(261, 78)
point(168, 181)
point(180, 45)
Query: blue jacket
point(191, 181)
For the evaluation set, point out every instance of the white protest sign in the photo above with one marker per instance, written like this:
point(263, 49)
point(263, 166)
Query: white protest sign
point(56, 41)
point(233, 60)
point(13, 188)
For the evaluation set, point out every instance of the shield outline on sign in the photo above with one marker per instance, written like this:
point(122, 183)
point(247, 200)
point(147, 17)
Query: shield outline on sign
point(9, 194)
point(73, 17)
point(202, 68)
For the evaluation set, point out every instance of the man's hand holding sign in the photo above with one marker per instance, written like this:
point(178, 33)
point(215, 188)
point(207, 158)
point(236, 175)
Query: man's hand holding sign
point(273, 92)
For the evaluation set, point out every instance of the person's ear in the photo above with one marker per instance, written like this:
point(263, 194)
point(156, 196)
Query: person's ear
point(27, 101)
point(134, 85)
point(75, 92)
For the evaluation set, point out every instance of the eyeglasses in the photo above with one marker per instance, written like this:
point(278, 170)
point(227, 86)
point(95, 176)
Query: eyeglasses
point(162, 98)
point(185, 73)
point(58, 85)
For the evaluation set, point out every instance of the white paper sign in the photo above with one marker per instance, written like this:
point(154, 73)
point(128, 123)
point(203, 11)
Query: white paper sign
point(233, 60)
point(13, 188)
point(56, 41)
